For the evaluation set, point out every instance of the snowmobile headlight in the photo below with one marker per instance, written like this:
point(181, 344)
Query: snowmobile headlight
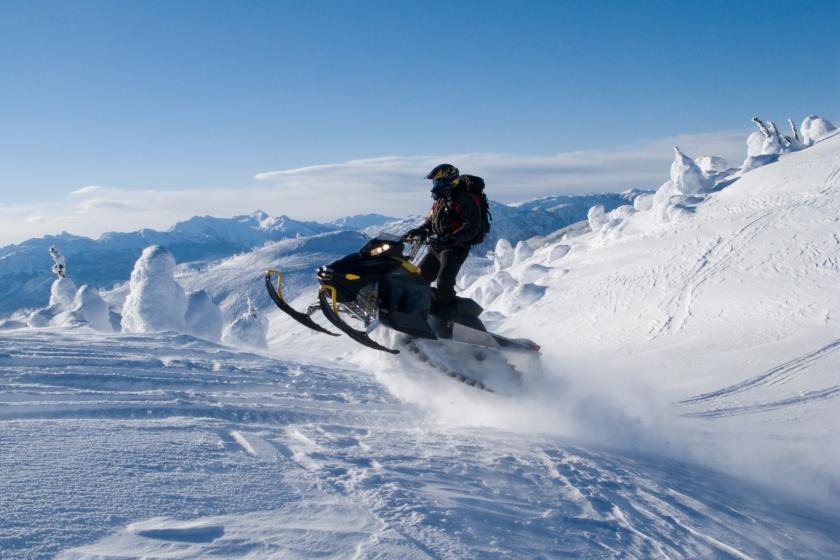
point(380, 249)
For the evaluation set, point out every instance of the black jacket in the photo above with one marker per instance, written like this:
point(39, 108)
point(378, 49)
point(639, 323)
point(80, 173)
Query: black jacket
point(457, 216)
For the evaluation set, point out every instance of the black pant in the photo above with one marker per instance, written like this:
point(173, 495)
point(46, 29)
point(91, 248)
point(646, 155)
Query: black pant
point(444, 266)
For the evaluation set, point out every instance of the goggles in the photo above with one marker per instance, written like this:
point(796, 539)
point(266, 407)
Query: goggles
point(441, 183)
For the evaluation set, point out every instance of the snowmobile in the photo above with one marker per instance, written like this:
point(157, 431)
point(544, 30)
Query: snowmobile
point(379, 286)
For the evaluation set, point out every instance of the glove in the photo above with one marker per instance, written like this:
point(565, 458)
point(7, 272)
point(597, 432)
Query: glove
point(443, 243)
point(419, 232)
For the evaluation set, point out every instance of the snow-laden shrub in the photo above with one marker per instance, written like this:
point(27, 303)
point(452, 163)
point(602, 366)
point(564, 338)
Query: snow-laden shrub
point(755, 144)
point(520, 297)
point(662, 201)
point(621, 213)
point(522, 252)
point(203, 317)
point(503, 254)
point(62, 293)
point(90, 308)
point(493, 287)
point(558, 252)
point(687, 177)
point(814, 129)
point(533, 272)
point(597, 217)
point(60, 266)
point(617, 216)
point(467, 280)
point(156, 302)
point(768, 141)
point(711, 164)
point(249, 330)
point(643, 202)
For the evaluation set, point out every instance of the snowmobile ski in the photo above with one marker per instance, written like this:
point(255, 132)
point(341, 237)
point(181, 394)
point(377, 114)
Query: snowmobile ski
point(277, 298)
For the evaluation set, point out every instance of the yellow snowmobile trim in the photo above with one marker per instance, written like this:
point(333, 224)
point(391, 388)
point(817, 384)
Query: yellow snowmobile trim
point(408, 266)
point(352, 276)
point(334, 296)
point(279, 280)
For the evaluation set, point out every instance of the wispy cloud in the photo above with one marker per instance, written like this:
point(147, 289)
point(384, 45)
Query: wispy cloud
point(386, 185)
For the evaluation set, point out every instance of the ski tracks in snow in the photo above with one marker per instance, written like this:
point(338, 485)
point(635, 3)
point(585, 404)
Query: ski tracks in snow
point(165, 446)
point(719, 403)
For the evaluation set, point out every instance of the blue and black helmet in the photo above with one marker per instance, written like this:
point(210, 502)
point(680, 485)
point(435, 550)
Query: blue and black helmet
point(443, 178)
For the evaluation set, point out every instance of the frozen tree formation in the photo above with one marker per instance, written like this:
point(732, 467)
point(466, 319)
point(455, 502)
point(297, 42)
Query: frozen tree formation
point(686, 176)
point(63, 289)
point(503, 254)
point(597, 217)
point(156, 302)
point(522, 252)
point(711, 164)
point(90, 308)
point(62, 293)
point(249, 330)
point(814, 129)
point(203, 317)
point(60, 264)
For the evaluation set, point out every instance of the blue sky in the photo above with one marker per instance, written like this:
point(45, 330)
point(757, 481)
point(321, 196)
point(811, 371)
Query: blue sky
point(196, 96)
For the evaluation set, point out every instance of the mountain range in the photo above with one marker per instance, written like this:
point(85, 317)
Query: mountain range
point(26, 275)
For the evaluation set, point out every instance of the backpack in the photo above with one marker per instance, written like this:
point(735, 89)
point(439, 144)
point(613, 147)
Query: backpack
point(475, 187)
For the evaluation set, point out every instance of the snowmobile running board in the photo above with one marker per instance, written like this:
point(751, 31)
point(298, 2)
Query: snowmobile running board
point(277, 298)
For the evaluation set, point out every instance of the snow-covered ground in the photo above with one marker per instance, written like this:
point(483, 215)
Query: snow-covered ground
point(687, 405)
point(163, 446)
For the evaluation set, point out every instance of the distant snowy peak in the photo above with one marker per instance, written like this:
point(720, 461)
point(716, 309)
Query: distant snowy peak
point(361, 221)
point(584, 201)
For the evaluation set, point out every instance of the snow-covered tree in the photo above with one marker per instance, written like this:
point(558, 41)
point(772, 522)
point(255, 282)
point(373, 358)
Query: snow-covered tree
point(63, 289)
point(60, 264)
point(249, 330)
point(687, 177)
point(503, 254)
point(156, 302)
point(90, 308)
point(814, 129)
point(203, 317)
point(62, 293)
point(522, 252)
point(597, 217)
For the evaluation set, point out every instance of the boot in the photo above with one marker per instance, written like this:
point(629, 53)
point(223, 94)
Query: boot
point(448, 323)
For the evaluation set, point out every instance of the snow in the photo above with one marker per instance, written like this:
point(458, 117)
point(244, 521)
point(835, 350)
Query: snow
point(203, 318)
point(814, 129)
point(685, 406)
point(597, 217)
point(503, 254)
point(711, 164)
point(248, 331)
point(155, 302)
point(62, 293)
point(687, 178)
point(90, 308)
point(522, 252)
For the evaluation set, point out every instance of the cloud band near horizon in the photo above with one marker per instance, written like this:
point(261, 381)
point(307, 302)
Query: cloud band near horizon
point(392, 186)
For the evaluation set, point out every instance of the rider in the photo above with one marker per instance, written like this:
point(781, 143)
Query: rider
point(455, 218)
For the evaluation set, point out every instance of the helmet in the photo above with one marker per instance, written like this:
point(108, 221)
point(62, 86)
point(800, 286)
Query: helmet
point(443, 178)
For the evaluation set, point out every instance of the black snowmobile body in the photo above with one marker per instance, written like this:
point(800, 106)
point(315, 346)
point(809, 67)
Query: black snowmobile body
point(379, 286)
